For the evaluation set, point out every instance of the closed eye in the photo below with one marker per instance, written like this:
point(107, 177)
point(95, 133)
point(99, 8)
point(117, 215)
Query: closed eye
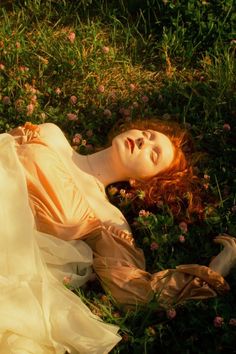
point(147, 134)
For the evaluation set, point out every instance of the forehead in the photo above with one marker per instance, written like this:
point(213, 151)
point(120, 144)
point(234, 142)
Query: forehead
point(165, 147)
point(161, 138)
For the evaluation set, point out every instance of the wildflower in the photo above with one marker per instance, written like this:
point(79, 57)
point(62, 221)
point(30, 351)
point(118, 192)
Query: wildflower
point(107, 112)
point(71, 37)
point(31, 89)
point(125, 337)
point(226, 127)
point(141, 194)
point(154, 246)
point(83, 142)
point(89, 133)
point(132, 182)
point(206, 185)
point(101, 88)
point(43, 116)
point(135, 105)
point(144, 213)
point(23, 68)
point(30, 109)
point(183, 227)
point(18, 45)
point(171, 314)
point(77, 138)
point(58, 90)
point(232, 322)
point(132, 87)
point(218, 321)
point(105, 50)
point(129, 195)
point(181, 239)
point(33, 99)
point(73, 100)
point(123, 192)
point(207, 177)
point(112, 190)
point(116, 314)
point(6, 100)
point(2, 66)
point(72, 116)
point(104, 298)
point(150, 331)
point(96, 311)
point(66, 280)
point(233, 41)
point(145, 99)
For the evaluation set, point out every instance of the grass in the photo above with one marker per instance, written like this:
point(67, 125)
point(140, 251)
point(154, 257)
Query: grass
point(86, 64)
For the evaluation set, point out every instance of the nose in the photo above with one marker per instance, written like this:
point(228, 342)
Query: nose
point(140, 142)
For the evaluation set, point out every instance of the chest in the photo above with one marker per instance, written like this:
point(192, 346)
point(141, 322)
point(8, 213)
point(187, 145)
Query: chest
point(95, 195)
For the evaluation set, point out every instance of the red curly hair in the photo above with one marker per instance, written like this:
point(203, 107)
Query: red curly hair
point(177, 186)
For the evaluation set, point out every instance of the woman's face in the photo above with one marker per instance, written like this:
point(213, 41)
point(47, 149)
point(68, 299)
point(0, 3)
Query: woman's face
point(142, 154)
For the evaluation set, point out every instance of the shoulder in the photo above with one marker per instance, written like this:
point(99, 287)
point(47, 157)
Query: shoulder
point(54, 136)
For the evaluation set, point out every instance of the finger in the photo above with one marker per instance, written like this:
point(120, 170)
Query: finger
point(226, 240)
point(221, 241)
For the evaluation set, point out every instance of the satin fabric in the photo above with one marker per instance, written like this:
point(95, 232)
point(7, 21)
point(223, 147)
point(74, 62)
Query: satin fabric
point(39, 315)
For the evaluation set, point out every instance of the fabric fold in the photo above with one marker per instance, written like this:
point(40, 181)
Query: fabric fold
point(38, 313)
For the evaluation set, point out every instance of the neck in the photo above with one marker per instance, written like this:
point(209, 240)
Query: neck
point(101, 166)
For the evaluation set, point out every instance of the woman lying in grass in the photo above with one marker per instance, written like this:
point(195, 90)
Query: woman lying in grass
point(70, 215)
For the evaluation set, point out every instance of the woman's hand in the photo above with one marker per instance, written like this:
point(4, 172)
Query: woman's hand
point(226, 259)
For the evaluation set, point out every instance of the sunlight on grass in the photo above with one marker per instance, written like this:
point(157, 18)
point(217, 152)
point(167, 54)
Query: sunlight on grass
point(85, 65)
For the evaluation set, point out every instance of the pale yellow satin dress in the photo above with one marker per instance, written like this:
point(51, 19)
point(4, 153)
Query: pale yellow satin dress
point(60, 210)
point(39, 315)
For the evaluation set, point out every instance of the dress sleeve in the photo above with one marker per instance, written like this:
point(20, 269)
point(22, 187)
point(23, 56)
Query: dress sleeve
point(191, 281)
point(120, 266)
